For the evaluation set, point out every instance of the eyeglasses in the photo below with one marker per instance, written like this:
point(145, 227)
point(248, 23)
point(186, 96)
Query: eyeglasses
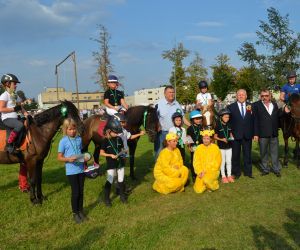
point(264, 95)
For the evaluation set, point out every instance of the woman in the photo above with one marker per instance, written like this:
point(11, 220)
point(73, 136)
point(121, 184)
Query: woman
point(169, 172)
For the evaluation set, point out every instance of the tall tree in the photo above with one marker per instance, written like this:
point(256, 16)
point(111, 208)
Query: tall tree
point(195, 72)
point(176, 55)
point(102, 57)
point(223, 76)
point(282, 46)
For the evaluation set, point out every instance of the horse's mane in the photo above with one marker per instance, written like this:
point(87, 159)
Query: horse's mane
point(53, 113)
point(294, 98)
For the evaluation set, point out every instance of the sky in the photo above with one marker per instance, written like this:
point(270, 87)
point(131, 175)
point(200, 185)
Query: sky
point(35, 35)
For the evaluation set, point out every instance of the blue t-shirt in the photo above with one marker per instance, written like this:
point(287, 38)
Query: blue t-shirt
point(69, 146)
point(289, 90)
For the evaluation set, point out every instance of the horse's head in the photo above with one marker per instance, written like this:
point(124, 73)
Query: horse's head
point(151, 122)
point(208, 118)
point(295, 106)
point(68, 110)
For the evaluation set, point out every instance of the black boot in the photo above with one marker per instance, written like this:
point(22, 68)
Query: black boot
point(107, 188)
point(77, 218)
point(123, 196)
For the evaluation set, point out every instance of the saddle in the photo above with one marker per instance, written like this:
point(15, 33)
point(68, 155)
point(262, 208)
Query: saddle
point(21, 142)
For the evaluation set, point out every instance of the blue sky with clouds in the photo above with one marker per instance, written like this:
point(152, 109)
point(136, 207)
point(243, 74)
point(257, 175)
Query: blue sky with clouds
point(37, 34)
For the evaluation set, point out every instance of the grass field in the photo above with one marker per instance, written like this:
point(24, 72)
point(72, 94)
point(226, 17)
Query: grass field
point(263, 213)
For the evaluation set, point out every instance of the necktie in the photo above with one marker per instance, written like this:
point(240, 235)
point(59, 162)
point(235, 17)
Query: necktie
point(243, 111)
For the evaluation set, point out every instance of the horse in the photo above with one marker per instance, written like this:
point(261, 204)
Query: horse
point(40, 132)
point(290, 126)
point(136, 117)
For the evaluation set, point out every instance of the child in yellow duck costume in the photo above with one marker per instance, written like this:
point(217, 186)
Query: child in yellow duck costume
point(169, 172)
point(207, 162)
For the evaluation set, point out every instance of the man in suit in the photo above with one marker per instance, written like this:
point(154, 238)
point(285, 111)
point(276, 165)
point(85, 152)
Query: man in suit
point(266, 131)
point(242, 125)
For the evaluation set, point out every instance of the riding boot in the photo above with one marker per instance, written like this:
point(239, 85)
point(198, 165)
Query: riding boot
point(107, 188)
point(123, 196)
point(10, 142)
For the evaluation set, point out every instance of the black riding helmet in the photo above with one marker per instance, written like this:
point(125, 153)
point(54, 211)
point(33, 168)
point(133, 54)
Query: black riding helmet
point(224, 112)
point(291, 74)
point(114, 125)
point(176, 114)
point(7, 78)
point(120, 117)
point(202, 84)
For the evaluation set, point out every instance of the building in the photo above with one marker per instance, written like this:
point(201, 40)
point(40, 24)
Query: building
point(145, 96)
point(87, 100)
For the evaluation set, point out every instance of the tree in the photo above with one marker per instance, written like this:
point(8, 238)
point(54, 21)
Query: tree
point(195, 72)
point(177, 79)
point(102, 57)
point(251, 79)
point(223, 76)
point(282, 47)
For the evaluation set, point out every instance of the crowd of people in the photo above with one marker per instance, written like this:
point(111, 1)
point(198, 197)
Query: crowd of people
point(214, 150)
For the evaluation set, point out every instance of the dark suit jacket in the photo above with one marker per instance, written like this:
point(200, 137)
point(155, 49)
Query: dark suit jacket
point(242, 128)
point(265, 125)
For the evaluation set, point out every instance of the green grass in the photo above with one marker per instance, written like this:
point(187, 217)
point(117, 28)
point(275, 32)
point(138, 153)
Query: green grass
point(263, 213)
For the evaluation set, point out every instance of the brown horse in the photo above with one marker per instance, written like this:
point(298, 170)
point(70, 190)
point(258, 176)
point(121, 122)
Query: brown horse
point(41, 132)
point(290, 125)
point(136, 117)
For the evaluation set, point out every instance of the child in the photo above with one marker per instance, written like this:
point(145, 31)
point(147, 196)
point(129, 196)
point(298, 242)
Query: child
point(111, 148)
point(207, 162)
point(177, 119)
point(224, 137)
point(69, 150)
point(169, 172)
point(204, 100)
point(194, 132)
point(125, 136)
point(9, 107)
point(113, 98)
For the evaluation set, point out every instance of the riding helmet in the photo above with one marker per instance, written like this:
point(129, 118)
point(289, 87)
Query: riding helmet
point(195, 114)
point(120, 117)
point(291, 74)
point(176, 114)
point(224, 112)
point(114, 125)
point(9, 78)
point(113, 79)
point(202, 84)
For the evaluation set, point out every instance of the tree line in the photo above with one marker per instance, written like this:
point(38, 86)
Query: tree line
point(280, 54)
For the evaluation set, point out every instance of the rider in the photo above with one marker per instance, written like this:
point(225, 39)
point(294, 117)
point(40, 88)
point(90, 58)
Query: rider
point(113, 98)
point(9, 106)
point(204, 100)
point(287, 90)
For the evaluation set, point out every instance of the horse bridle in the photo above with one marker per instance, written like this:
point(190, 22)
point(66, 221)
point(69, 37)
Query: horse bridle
point(144, 122)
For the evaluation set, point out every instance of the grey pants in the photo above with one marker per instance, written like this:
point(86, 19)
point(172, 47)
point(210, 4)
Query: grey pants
point(14, 124)
point(269, 146)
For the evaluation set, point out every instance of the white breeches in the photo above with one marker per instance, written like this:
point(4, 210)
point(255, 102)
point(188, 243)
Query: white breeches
point(111, 173)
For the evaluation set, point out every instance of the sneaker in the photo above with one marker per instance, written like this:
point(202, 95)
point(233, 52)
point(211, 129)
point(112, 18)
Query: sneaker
point(77, 218)
point(230, 179)
point(224, 180)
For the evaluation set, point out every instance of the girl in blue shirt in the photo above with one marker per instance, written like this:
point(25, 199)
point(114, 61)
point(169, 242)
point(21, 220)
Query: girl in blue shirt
point(69, 149)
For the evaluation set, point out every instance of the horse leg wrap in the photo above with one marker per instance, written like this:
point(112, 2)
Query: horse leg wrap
point(12, 137)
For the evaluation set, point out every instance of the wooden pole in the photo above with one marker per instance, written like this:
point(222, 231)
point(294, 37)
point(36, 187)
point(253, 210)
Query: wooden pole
point(76, 80)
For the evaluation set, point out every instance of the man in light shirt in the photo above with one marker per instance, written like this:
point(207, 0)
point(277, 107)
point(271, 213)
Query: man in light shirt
point(166, 107)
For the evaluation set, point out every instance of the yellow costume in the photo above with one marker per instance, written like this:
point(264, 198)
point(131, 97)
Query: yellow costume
point(168, 178)
point(207, 159)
